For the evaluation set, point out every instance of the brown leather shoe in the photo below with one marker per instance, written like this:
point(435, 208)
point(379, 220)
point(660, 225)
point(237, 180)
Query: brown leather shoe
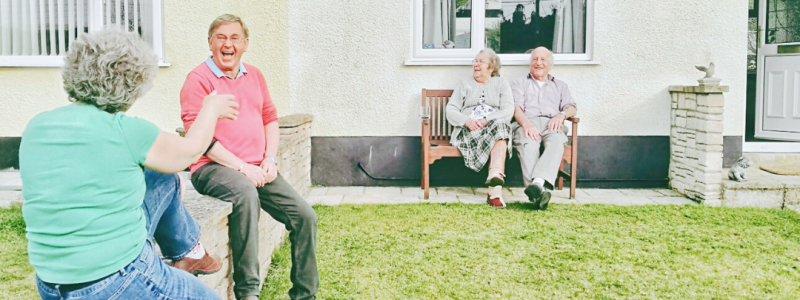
point(206, 265)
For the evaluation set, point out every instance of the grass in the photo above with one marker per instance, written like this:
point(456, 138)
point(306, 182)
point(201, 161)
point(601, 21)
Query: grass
point(455, 251)
point(16, 274)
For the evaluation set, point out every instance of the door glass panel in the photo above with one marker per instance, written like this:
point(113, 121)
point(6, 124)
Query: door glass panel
point(783, 21)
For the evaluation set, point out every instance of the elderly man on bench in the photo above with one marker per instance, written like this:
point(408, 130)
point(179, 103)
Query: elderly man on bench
point(541, 104)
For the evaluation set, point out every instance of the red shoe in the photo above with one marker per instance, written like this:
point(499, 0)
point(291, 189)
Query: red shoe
point(496, 202)
point(206, 265)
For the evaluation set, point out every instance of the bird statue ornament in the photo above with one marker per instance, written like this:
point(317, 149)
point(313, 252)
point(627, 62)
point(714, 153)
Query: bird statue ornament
point(709, 70)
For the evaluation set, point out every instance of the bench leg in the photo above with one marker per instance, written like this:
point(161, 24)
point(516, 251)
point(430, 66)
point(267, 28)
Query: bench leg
point(560, 179)
point(572, 182)
point(426, 178)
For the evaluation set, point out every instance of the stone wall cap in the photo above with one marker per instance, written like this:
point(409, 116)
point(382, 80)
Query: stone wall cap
point(699, 89)
point(294, 120)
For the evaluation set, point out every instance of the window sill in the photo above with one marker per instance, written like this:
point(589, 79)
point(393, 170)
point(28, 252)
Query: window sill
point(468, 62)
point(43, 62)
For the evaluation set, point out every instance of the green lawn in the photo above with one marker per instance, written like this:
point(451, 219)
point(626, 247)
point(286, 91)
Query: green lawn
point(16, 274)
point(454, 251)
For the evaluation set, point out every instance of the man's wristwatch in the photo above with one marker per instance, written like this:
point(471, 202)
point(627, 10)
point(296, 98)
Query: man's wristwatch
point(563, 113)
point(273, 159)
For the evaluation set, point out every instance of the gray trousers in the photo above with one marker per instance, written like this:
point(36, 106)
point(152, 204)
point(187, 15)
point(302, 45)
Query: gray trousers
point(280, 201)
point(534, 165)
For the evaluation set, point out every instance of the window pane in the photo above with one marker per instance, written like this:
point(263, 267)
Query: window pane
point(783, 21)
point(752, 38)
point(49, 27)
point(514, 26)
point(446, 24)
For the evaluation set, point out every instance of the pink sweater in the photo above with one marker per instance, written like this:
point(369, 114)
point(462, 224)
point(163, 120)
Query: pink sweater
point(244, 137)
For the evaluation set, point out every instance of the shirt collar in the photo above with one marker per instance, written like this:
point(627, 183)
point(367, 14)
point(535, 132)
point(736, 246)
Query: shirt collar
point(218, 72)
point(549, 77)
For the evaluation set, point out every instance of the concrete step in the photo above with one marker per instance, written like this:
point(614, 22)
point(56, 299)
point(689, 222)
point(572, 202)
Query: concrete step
point(761, 189)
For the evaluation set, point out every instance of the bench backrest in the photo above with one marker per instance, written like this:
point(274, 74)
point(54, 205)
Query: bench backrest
point(437, 101)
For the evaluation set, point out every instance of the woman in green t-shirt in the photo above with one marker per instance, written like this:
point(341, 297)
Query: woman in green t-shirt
point(100, 186)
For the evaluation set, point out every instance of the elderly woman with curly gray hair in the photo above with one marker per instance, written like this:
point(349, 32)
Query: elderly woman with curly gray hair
point(480, 109)
point(100, 185)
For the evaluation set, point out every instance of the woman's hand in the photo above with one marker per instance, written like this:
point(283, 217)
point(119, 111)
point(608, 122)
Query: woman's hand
point(472, 124)
point(476, 124)
point(256, 175)
point(222, 105)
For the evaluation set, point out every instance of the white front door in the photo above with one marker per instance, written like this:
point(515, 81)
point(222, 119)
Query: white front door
point(778, 88)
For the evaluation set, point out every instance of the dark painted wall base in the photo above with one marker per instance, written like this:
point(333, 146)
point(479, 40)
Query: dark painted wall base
point(9, 152)
point(603, 162)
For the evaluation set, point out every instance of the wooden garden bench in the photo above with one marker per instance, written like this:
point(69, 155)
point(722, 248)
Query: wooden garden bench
point(436, 133)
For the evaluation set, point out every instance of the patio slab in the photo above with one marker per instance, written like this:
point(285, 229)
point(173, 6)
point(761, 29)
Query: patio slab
point(345, 190)
point(641, 192)
point(328, 200)
point(455, 191)
point(603, 192)
point(379, 199)
point(673, 201)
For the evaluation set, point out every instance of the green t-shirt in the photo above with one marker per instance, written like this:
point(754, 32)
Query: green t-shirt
point(83, 181)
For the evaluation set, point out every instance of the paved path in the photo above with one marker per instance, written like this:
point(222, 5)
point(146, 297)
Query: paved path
point(400, 195)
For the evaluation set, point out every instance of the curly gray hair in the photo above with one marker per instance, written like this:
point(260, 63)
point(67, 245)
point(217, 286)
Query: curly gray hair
point(494, 61)
point(109, 69)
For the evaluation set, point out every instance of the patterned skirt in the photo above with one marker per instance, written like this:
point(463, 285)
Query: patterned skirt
point(476, 146)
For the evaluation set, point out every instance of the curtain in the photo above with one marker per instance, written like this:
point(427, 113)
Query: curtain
point(570, 27)
point(47, 27)
point(438, 22)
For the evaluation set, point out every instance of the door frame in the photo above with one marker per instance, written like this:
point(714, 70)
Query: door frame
point(760, 69)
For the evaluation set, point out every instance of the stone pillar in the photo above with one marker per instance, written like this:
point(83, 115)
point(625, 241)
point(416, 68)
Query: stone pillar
point(294, 154)
point(695, 167)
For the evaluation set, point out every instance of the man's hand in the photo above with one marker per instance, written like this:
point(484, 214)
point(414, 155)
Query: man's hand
point(556, 122)
point(530, 130)
point(256, 175)
point(270, 169)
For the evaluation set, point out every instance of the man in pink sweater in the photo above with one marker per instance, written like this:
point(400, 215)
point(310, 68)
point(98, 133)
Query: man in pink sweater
point(240, 165)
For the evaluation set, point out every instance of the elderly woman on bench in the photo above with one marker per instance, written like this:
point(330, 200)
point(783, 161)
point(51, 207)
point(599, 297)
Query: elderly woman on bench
point(100, 185)
point(480, 109)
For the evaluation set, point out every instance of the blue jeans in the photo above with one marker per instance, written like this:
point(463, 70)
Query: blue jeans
point(147, 277)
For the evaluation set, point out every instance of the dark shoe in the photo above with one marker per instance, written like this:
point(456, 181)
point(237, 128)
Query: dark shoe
point(206, 265)
point(496, 202)
point(534, 192)
point(544, 201)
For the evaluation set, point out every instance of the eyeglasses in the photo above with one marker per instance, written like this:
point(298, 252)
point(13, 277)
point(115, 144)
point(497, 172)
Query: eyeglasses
point(234, 39)
point(479, 62)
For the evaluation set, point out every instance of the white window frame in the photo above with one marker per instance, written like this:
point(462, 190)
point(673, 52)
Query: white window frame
point(449, 57)
point(95, 23)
